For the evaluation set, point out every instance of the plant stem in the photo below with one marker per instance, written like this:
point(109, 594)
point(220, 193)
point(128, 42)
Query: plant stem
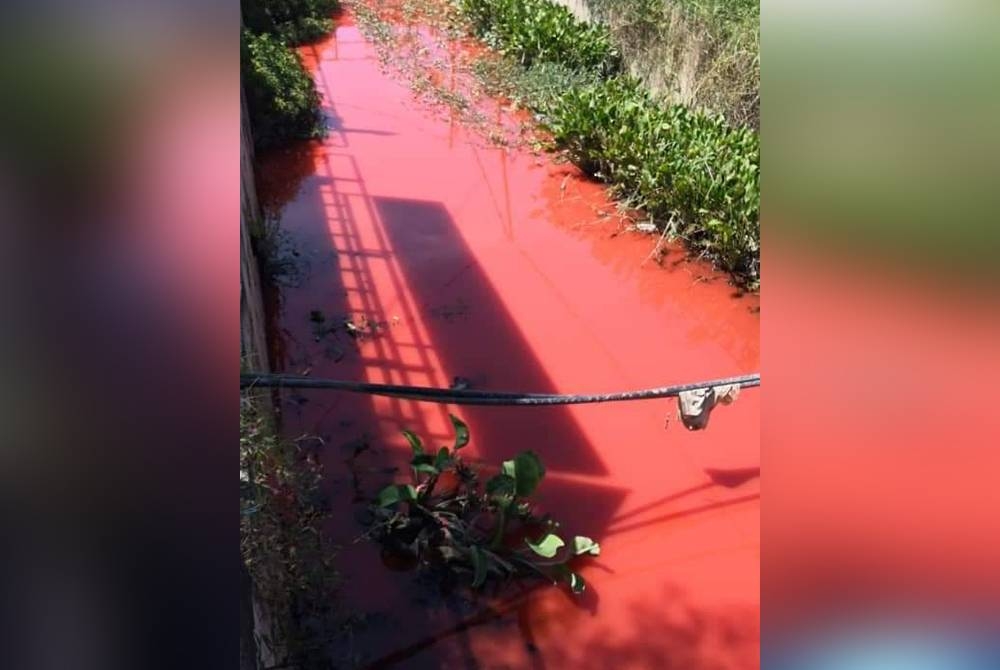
point(498, 533)
point(431, 482)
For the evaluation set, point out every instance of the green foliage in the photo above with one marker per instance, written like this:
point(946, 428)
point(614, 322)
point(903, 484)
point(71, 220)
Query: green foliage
point(461, 432)
point(694, 173)
point(548, 546)
point(722, 13)
point(281, 97)
point(281, 538)
point(306, 30)
point(527, 472)
point(680, 165)
point(537, 87)
point(449, 522)
point(391, 495)
point(294, 21)
point(540, 31)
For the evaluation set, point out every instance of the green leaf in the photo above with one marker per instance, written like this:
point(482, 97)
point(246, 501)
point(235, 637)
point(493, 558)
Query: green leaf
point(395, 493)
point(421, 458)
point(547, 546)
point(527, 471)
point(584, 545)
point(479, 567)
point(576, 583)
point(443, 457)
point(461, 432)
point(415, 442)
point(426, 467)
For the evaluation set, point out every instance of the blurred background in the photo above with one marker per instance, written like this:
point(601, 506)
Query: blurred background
point(118, 238)
point(880, 448)
point(118, 242)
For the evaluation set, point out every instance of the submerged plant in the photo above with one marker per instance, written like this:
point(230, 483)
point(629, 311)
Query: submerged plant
point(448, 520)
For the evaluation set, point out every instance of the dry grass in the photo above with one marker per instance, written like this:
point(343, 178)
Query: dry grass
point(702, 53)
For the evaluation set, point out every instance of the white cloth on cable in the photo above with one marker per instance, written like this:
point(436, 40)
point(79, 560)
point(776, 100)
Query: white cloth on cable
point(695, 407)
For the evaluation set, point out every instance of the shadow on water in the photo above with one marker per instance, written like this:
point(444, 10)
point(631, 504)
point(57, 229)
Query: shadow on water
point(678, 635)
point(478, 341)
point(380, 258)
point(675, 635)
point(383, 261)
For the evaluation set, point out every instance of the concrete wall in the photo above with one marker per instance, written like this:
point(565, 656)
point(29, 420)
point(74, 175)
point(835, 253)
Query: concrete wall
point(578, 7)
point(253, 353)
point(253, 339)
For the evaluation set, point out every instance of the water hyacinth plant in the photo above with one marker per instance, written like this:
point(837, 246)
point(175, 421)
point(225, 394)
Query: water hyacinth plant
point(446, 519)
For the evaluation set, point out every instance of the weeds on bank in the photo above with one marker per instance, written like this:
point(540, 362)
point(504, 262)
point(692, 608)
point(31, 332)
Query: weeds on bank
point(282, 100)
point(448, 521)
point(677, 164)
point(293, 21)
point(705, 51)
point(537, 88)
point(281, 97)
point(415, 41)
point(535, 31)
point(695, 175)
point(281, 539)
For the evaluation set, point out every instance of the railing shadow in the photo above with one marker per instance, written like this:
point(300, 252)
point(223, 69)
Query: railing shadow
point(425, 313)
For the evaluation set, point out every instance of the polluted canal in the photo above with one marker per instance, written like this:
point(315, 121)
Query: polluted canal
point(426, 255)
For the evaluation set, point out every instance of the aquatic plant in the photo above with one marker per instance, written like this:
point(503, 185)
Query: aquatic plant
point(680, 165)
point(541, 31)
point(696, 175)
point(447, 519)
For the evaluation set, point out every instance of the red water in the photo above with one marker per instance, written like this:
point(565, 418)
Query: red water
point(507, 270)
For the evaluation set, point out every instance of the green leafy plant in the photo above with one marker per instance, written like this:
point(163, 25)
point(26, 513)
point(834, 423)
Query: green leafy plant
point(281, 96)
point(693, 172)
point(447, 520)
point(537, 87)
point(541, 31)
point(680, 165)
point(294, 21)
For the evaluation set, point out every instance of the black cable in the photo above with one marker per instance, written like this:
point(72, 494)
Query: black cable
point(474, 397)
